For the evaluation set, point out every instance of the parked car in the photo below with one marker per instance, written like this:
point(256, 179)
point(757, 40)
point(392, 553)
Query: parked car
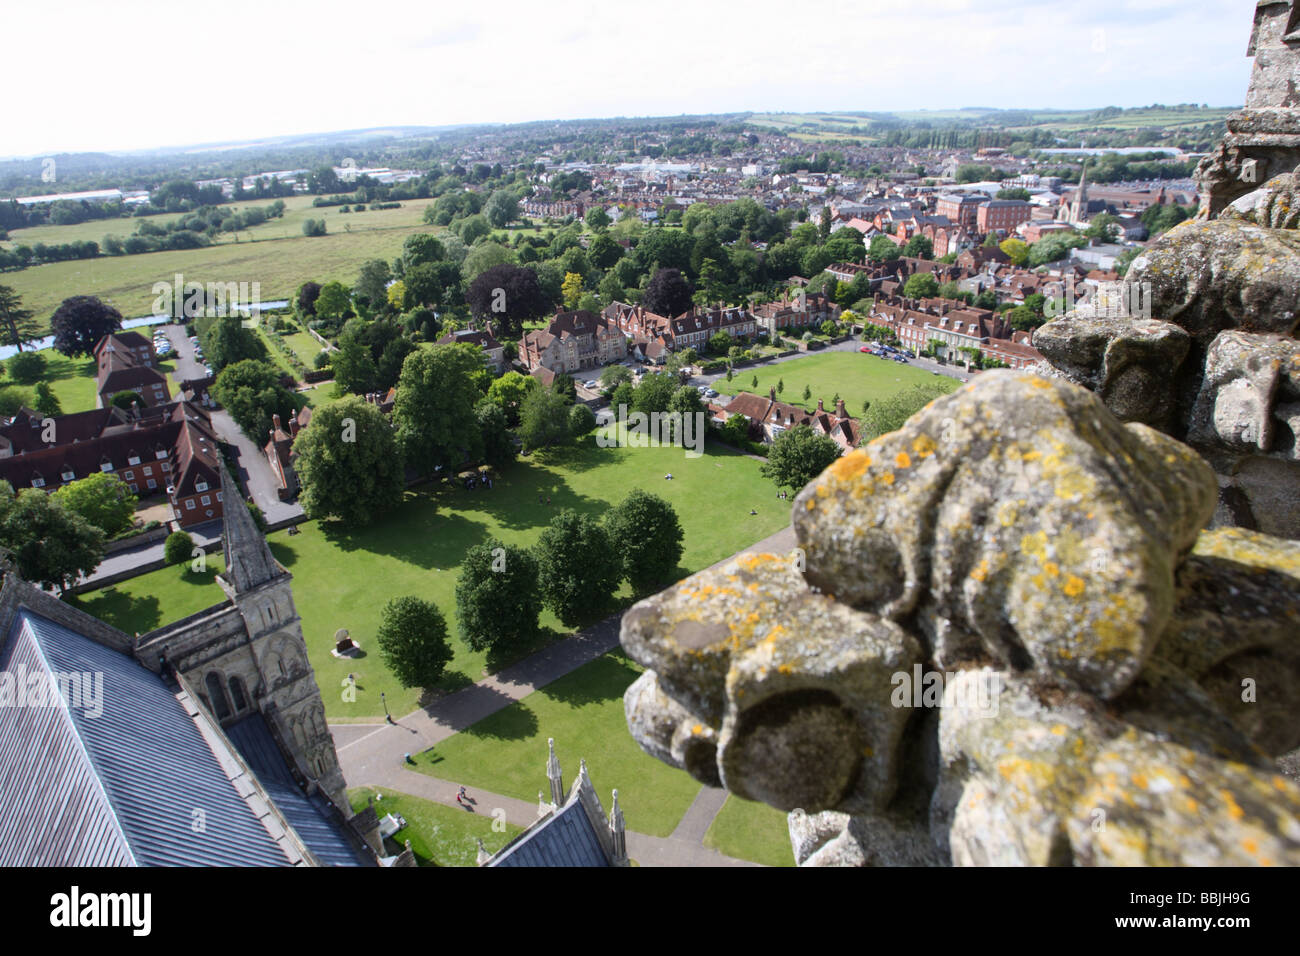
point(865, 349)
point(711, 394)
point(591, 385)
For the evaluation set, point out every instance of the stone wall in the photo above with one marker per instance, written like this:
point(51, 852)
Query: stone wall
point(1004, 639)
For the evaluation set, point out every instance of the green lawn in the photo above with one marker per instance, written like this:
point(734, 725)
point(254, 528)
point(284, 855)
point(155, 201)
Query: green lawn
point(319, 395)
point(751, 831)
point(277, 358)
point(72, 381)
point(856, 377)
point(439, 835)
point(305, 346)
point(583, 711)
point(344, 578)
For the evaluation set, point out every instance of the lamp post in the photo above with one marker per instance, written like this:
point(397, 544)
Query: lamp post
point(384, 700)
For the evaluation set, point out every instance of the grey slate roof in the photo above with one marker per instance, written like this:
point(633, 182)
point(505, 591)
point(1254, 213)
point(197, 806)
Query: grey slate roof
point(566, 839)
point(312, 818)
point(120, 787)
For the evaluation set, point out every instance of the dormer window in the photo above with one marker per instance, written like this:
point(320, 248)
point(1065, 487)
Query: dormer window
point(105, 466)
point(160, 454)
point(68, 474)
point(38, 482)
point(200, 486)
point(133, 460)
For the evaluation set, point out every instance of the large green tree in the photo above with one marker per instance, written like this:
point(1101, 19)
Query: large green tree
point(578, 568)
point(798, 456)
point(50, 545)
point(655, 392)
point(251, 392)
point(497, 596)
point(509, 391)
point(102, 499)
point(412, 637)
point(644, 530)
point(227, 342)
point(543, 419)
point(348, 463)
point(18, 327)
point(498, 442)
point(434, 411)
point(889, 414)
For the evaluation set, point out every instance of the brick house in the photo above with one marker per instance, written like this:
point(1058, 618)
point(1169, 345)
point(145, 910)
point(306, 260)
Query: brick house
point(1001, 215)
point(769, 418)
point(494, 353)
point(123, 364)
point(573, 341)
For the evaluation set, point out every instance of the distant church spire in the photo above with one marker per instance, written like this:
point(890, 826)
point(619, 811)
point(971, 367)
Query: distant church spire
point(249, 563)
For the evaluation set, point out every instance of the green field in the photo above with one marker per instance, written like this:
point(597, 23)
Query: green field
point(751, 831)
point(583, 711)
point(71, 380)
point(856, 377)
point(343, 578)
point(127, 281)
point(439, 835)
point(304, 345)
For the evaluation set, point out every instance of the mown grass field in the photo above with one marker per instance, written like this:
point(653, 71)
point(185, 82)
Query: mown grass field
point(751, 831)
point(583, 711)
point(343, 578)
point(439, 835)
point(71, 380)
point(276, 255)
point(855, 376)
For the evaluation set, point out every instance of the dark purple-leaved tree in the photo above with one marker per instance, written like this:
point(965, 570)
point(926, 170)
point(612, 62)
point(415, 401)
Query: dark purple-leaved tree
point(669, 293)
point(507, 296)
point(81, 321)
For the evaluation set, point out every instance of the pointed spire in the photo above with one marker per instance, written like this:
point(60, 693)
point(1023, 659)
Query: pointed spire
point(249, 563)
point(554, 775)
point(483, 854)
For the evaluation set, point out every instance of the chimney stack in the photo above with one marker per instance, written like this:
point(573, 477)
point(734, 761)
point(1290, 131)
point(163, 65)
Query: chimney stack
point(820, 407)
point(276, 419)
point(772, 392)
point(840, 411)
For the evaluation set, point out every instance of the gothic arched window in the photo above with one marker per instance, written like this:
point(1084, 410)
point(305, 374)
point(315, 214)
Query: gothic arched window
point(237, 694)
point(217, 694)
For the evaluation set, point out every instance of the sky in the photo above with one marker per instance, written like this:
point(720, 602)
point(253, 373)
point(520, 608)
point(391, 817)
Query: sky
point(137, 74)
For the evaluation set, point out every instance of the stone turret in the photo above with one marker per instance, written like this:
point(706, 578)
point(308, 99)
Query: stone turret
point(553, 774)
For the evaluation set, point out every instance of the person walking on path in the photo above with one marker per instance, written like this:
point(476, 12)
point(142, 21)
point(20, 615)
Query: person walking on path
point(461, 796)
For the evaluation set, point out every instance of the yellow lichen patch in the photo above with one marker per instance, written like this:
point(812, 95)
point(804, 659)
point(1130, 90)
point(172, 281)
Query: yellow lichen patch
point(1035, 544)
point(1140, 781)
point(924, 446)
point(785, 669)
point(981, 570)
point(1234, 808)
point(1073, 586)
point(812, 504)
point(1031, 456)
point(1052, 568)
point(697, 729)
point(902, 460)
point(887, 478)
point(851, 466)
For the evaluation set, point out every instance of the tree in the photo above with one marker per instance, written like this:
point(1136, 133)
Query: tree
point(654, 392)
point(508, 296)
point(578, 568)
point(421, 248)
point(412, 637)
point(780, 385)
point(597, 219)
point(497, 595)
point(1017, 250)
point(313, 227)
point(720, 342)
point(178, 548)
point(498, 443)
point(348, 464)
point(923, 285)
point(306, 298)
point(798, 456)
point(17, 325)
point(372, 283)
point(397, 295)
point(509, 391)
point(543, 419)
point(434, 410)
point(51, 546)
point(227, 342)
point(81, 321)
point(501, 209)
point(1103, 228)
point(889, 414)
point(251, 392)
point(334, 302)
point(919, 247)
point(126, 400)
point(624, 396)
point(644, 529)
point(473, 229)
point(104, 500)
point(571, 289)
point(47, 403)
point(614, 375)
point(26, 367)
point(807, 392)
point(668, 293)
point(582, 421)
point(1024, 319)
point(432, 284)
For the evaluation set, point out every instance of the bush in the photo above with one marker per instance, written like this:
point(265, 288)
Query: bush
point(178, 548)
point(26, 367)
point(322, 359)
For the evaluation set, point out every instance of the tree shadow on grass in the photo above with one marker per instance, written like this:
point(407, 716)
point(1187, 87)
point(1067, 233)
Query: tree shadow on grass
point(606, 678)
point(499, 658)
point(583, 456)
point(414, 533)
point(516, 722)
point(285, 553)
point(127, 612)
